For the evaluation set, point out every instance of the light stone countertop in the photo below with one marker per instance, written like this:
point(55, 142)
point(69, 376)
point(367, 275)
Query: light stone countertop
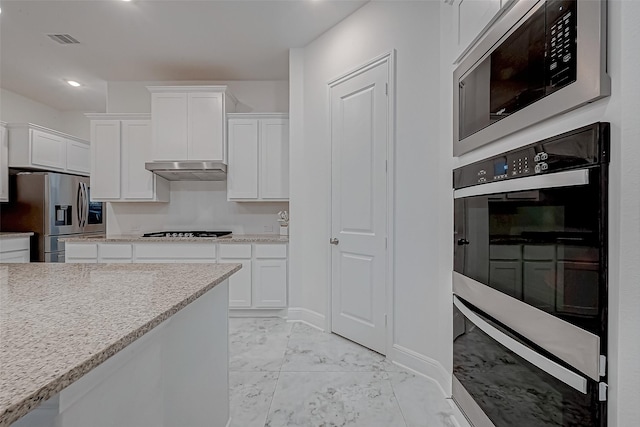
point(59, 321)
point(234, 238)
point(13, 234)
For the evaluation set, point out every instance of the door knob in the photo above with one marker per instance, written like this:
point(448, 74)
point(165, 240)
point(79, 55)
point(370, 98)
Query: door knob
point(462, 242)
point(334, 241)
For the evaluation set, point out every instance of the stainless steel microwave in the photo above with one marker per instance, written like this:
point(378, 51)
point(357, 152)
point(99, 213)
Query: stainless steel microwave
point(541, 59)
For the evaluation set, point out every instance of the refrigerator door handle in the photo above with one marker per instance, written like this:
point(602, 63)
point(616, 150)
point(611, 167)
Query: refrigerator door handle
point(79, 205)
point(86, 203)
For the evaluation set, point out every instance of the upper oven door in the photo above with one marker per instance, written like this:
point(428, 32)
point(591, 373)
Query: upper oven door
point(541, 245)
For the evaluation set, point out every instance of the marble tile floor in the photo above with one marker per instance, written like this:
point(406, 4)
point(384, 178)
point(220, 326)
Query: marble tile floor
point(292, 375)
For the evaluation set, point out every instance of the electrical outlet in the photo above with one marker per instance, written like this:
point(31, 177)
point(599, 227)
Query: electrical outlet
point(268, 228)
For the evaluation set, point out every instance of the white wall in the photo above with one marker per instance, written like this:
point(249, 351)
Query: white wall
point(15, 108)
point(267, 96)
point(194, 206)
point(624, 294)
point(197, 205)
point(378, 27)
point(621, 109)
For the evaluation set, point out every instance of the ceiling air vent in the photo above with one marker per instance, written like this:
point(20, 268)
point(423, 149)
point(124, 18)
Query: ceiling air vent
point(63, 38)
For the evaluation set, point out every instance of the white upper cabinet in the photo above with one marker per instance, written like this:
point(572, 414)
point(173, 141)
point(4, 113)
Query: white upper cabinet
point(258, 157)
point(188, 122)
point(35, 147)
point(470, 18)
point(120, 146)
point(78, 157)
point(4, 164)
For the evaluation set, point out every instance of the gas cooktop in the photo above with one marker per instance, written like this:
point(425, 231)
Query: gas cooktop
point(187, 234)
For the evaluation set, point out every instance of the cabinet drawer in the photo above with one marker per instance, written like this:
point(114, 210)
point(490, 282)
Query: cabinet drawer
point(14, 244)
point(176, 251)
point(234, 251)
point(271, 251)
point(83, 250)
point(115, 251)
point(540, 252)
point(506, 252)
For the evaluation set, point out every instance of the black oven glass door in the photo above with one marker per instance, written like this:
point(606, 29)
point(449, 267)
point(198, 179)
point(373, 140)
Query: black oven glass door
point(537, 59)
point(542, 247)
point(512, 383)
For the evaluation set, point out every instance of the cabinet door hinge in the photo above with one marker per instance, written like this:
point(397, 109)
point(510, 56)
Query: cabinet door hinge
point(386, 89)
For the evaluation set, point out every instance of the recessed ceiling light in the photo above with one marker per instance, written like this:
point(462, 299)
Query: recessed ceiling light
point(73, 83)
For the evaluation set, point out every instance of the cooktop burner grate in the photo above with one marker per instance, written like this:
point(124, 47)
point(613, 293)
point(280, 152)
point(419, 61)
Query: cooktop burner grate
point(187, 234)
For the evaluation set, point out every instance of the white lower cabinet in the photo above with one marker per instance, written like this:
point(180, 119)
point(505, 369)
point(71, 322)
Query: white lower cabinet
point(240, 283)
point(270, 274)
point(174, 252)
point(260, 284)
point(14, 250)
point(81, 253)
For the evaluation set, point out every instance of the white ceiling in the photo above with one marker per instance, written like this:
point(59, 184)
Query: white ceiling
point(151, 40)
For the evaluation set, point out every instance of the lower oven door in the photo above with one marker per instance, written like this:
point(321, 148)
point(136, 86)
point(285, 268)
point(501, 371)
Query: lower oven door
point(500, 380)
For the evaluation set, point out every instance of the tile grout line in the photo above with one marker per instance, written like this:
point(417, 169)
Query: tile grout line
point(395, 396)
point(278, 379)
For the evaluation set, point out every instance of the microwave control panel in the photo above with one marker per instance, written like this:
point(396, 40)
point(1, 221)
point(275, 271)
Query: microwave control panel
point(580, 148)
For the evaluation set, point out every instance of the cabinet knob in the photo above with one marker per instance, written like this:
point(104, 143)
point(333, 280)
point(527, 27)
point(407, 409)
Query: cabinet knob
point(334, 241)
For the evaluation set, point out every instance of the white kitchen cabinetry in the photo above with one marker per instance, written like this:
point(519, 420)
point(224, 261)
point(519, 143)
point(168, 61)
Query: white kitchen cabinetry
point(258, 157)
point(81, 253)
point(120, 146)
point(35, 147)
point(161, 252)
point(260, 284)
point(239, 283)
point(4, 164)
point(471, 18)
point(270, 276)
point(14, 249)
point(188, 122)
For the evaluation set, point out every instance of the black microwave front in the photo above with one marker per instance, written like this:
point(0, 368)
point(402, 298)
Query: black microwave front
point(540, 59)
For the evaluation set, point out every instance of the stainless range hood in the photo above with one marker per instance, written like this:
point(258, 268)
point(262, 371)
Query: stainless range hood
point(189, 170)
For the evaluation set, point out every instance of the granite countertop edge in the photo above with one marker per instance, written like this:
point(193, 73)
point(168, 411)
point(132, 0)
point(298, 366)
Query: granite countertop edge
point(19, 409)
point(235, 238)
point(13, 234)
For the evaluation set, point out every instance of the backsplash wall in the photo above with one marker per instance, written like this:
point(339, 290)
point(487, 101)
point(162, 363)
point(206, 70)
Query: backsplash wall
point(195, 206)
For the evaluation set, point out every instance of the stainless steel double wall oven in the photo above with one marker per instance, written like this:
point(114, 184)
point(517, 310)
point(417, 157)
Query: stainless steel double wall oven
point(530, 283)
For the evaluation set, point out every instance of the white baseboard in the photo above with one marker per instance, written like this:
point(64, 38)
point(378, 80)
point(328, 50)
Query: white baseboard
point(432, 370)
point(258, 312)
point(304, 315)
point(422, 365)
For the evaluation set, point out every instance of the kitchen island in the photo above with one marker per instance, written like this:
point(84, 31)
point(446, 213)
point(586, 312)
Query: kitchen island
point(114, 345)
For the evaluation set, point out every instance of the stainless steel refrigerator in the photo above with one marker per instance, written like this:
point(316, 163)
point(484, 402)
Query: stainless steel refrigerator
point(52, 205)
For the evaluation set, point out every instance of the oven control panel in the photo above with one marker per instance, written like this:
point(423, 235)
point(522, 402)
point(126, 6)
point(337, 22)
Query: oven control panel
point(580, 148)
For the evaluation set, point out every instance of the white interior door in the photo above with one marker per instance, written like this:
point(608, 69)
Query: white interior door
point(359, 132)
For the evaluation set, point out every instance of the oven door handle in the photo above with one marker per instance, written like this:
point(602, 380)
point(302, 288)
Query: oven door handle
point(535, 182)
point(549, 366)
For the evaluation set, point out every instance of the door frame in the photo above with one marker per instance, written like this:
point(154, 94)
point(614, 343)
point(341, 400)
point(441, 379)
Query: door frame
point(390, 58)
